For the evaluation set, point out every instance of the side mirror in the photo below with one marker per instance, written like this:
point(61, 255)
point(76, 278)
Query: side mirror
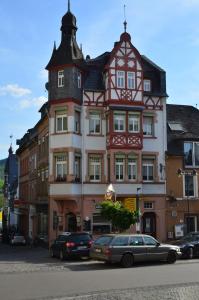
point(157, 244)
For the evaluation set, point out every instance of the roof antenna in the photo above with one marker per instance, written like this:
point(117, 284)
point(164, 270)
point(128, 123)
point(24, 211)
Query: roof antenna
point(68, 5)
point(125, 22)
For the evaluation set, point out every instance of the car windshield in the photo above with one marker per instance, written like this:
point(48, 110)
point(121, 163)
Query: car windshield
point(103, 240)
point(79, 237)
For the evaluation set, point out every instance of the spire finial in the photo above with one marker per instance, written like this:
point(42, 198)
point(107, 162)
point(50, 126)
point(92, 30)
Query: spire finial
point(68, 5)
point(125, 22)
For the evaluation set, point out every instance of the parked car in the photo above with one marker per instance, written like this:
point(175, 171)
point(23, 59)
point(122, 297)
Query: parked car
point(70, 244)
point(17, 239)
point(189, 245)
point(127, 249)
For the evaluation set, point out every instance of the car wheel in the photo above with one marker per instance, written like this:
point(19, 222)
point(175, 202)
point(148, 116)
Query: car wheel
point(52, 253)
point(189, 253)
point(61, 255)
point(127, 260)
point(171, 258)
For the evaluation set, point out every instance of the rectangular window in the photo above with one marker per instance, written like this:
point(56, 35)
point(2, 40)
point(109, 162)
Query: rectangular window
point(77, 168)
point(61, 78)
point(133, 123)
point(119, 168)
point(131, 80)
point(148, 126)
point(147, 85)
point(148, 205)
point(61, 122)
point(148, 170)
point(94, 122)
point(95, 168)
point(191, 154)
point(79, 80)
point(61, 167)
point(77, 121)
point(120, 79)
point(119, 122)
point(190, 186)
point(132, 169)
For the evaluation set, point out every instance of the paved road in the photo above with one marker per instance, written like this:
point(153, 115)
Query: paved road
point(27, 274)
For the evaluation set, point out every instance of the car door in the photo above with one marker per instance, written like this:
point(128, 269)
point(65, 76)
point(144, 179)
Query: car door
point(153, 250)
point(138, 248)
point(119, 246)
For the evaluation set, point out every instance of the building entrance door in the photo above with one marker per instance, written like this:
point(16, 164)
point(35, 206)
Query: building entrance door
point(191, 222)
point(71, 223)
point(149, 223)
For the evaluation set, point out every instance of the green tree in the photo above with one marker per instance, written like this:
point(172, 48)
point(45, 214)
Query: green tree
point(120, 217)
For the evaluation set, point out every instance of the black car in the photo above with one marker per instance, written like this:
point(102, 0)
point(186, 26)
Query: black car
point(71, 244)
point(189, 245)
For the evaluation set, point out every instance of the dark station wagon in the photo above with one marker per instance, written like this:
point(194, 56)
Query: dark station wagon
point(71, 244)
point(129, 248)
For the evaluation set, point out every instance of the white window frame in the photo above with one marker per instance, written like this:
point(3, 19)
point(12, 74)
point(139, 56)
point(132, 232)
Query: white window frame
point(120, 79)
point(132, 166)
point(148, 205)
point(193, 154)
point(195, 186)
point(79, 80)
point(61, 160)
point(120, 165)
point(60, 78)
point(134, 120)
point(120, 120)
point(131, 80)
point(147, 85)
point(148, 128)
point(95, 165)
point(148, 163)
point(61, 116)
point(77, 121)
point(94, 122)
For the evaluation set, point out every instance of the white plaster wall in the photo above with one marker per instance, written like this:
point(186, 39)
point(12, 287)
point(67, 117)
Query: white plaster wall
point(65, 140)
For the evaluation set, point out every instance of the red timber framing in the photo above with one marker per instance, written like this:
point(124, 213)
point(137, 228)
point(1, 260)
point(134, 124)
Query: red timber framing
point(126, 58)
point(92, 98)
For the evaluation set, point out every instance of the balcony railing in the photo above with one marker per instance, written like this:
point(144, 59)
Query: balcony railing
point(124, 140)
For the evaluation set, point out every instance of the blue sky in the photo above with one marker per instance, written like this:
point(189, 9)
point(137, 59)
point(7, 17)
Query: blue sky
point(165, 31)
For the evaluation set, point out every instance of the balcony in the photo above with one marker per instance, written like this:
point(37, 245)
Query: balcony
point(124, 140)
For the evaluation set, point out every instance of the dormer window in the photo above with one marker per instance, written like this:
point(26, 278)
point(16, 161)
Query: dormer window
point(61, 78)
point(147, 85)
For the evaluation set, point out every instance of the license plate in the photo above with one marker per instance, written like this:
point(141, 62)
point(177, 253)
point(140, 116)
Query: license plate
point(81, 247)
point(98, 250)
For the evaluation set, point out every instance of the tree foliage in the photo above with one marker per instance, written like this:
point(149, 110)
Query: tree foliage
point(120, 216)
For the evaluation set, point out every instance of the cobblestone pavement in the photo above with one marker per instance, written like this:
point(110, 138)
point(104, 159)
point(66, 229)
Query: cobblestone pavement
point(166, 292)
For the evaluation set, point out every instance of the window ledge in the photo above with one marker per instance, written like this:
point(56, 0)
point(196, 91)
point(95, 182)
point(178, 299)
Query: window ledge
point(95, 135)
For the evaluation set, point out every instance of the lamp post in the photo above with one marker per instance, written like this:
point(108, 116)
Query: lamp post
point(187, 191)
point(138, 209)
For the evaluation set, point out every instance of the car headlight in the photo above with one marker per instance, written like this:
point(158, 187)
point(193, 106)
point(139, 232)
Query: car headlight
point(178, 250)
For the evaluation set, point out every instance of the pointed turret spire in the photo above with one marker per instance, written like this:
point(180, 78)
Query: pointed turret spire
point(68, 5)
point(125, 22)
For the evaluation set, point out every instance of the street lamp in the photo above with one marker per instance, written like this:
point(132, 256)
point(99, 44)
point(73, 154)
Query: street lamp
point(138, 209)
point(187, 191)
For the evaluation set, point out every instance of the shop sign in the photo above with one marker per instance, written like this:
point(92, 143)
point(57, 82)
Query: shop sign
point(130, 203)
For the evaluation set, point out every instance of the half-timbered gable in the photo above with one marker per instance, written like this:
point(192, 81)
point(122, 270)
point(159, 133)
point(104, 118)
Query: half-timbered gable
point(124, 73)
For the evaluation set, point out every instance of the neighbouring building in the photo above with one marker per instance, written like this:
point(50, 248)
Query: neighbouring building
point(32, 202)
point(10, 215)
point(182, 164)
point(107, 124)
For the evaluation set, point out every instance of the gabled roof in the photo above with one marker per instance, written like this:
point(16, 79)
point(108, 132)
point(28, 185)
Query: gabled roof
point(188, 118)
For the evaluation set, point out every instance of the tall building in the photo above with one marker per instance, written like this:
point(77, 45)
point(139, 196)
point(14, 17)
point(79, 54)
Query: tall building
point(107, 124)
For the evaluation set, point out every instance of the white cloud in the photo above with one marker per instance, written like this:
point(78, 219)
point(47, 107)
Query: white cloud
point(35, 102)
point(14, 90)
